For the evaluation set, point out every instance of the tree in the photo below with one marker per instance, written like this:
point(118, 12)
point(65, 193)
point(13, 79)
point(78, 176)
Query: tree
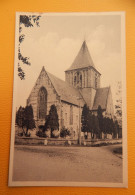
point(46, 123)
point(84, 118)
point(116, 129)
point(52, 121)
point(118, 103)
point(110, 126)
point(20, 118)
point(100, 119)
point(29, 121)
point(90, 122)
point(25, 118)
point(64, 132)
point(95, 126)
point(25, 21)
point(104, 125)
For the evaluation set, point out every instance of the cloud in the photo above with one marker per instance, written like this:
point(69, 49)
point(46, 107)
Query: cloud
point(57, 54)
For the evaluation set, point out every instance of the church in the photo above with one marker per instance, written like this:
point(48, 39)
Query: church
point(81, 86)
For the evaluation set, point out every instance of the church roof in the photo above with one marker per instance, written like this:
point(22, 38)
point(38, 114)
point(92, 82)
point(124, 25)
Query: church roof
point(83, 59)
point(65, 91)
point(101, 98)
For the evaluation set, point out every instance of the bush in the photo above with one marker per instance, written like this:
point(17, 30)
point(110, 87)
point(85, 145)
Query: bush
point(64, 132)
point(48, 133)
point(20, 134)
point(40, 134)
point(41, 127)
point(55, 133)
point(28, 134)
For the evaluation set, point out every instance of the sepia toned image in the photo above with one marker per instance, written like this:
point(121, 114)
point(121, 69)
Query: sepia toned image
point(69, 100)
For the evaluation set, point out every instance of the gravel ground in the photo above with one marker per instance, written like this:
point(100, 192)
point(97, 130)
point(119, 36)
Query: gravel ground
point(54, 163)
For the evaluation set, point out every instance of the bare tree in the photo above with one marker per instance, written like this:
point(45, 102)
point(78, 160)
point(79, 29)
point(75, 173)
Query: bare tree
point(25, 21)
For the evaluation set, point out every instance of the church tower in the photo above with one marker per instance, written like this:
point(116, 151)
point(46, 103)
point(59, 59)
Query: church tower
point(83, 75)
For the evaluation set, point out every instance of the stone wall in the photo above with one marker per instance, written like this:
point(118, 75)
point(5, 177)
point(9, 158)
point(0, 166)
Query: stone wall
point(89, 76)
point(69, 76)
point(52, 96)
point(63, 108)
point(73, 125)
point(92, 75)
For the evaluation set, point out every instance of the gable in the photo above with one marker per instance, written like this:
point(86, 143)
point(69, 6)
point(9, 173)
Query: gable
point(88, 95)
point(66, 92)
point(101, 98)
point(42, 81)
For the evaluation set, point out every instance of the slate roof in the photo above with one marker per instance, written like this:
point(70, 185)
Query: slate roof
point(72, 95)
point(65, 91)
point(101, 98)
point(83, 59)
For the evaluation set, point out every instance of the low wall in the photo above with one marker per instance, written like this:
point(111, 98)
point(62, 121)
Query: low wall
point(102, 142)
point(41, 141)
point(62, 141)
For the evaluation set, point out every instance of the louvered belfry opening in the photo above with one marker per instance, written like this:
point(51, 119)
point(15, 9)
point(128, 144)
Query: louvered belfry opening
point(78, 79)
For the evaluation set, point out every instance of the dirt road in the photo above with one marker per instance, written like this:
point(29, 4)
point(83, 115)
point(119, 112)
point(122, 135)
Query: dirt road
point(89, 164)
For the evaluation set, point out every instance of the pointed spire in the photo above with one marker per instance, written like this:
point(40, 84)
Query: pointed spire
point(83, 58)
point(43, 69)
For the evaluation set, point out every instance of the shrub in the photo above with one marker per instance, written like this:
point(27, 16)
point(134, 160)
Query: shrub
point(48, 133)
point(55, 133)
point(64, 132)
point(25, 119)
point(20, 134)
point(41, 127)
point(68, 143)
point(28, 134)
point(40, 133)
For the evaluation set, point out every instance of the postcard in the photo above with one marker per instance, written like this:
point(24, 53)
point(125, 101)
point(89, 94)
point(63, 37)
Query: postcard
point(69, 100)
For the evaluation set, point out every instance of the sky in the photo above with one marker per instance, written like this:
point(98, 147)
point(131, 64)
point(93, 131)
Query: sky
point(57, 41)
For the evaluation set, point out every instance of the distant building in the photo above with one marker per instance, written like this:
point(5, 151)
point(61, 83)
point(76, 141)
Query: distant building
point(81, 86)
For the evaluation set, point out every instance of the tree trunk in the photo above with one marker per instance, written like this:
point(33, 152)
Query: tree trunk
point(92, 135)
point(26, 132)
point(52, 133)
point(23, 131)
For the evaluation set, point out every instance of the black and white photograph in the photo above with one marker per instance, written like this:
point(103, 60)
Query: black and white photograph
point(69, 100)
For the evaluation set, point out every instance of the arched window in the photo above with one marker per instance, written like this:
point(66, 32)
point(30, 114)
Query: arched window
point(42, 103)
